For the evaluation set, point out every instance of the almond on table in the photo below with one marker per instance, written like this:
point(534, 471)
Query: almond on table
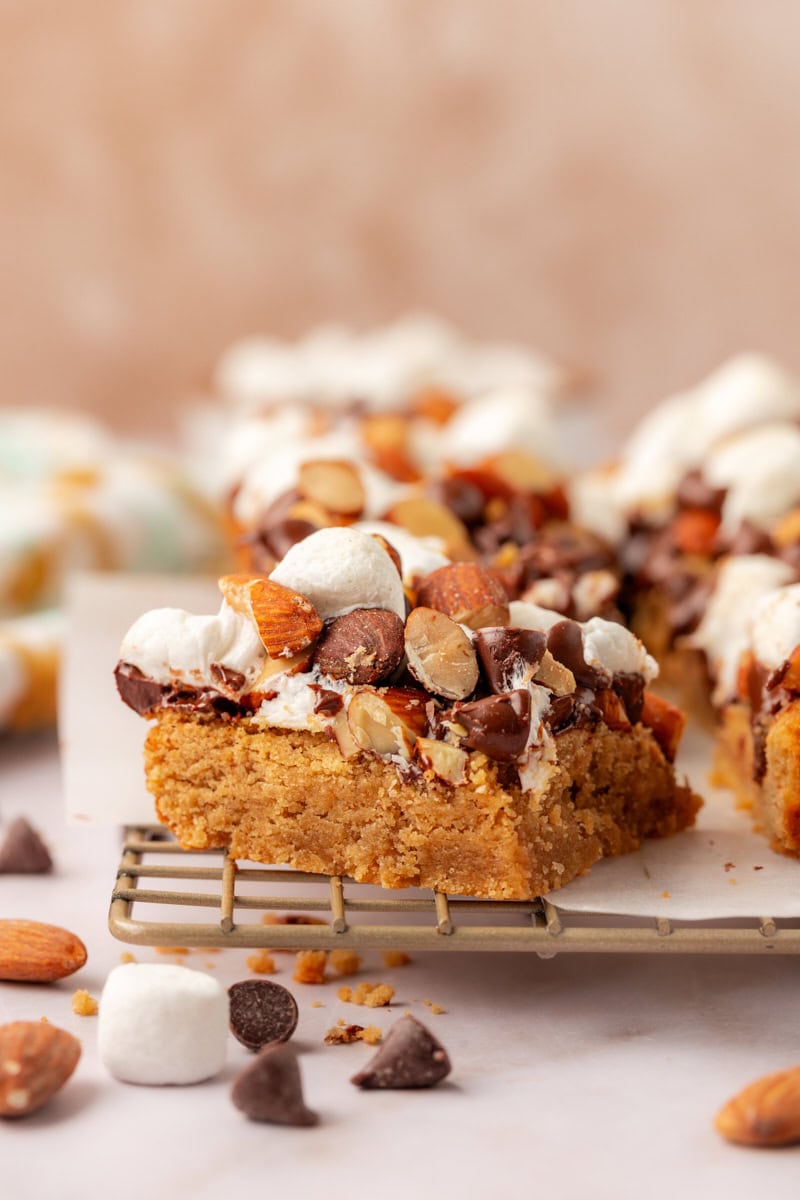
point(36, 1060)
point(33, 952)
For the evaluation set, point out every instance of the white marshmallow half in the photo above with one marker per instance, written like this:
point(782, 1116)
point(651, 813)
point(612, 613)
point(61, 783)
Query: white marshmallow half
point(418, 556)
point(776, 626)
point(341, 569)
point(761, 470)
point(722, 635)
point(172, 646)
point(162, 1024)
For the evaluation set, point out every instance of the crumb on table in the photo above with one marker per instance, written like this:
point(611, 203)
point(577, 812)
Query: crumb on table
point(127, 957)
point(172, 949)
point(309, 966)
point(371, 995)
point(345, 962)
point(395, 958)
point(261, 963)
point(342, 1034)
point(84, 1005)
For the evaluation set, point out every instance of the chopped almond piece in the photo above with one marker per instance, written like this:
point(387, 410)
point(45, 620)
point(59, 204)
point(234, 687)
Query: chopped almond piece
point(665, 721)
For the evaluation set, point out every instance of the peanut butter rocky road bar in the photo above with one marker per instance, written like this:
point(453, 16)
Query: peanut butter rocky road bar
point(448, 738)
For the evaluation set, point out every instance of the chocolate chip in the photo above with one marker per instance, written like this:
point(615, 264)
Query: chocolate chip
point(23, 852)
point(361, 647)
point(497, 725)
point(461, 496)
point(694, 492)
point(261, 1012)
point(505, 655)
point(565, 643)
point(229, 678)
point(410, 1057)
point(270, 1089)
point(141, 694)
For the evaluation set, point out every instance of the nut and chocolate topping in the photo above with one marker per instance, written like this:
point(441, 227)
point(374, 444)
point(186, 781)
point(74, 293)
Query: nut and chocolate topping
point(490, 676)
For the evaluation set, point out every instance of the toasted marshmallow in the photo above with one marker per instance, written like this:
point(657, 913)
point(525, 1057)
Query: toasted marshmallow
point(775, 626)
point(418, 556)
point(613, 648)
point(760, 469)
point(748, 390)
point(341, 569)
point(607, 646)
point(171, 646)
point(723, 632)
point(508, 419)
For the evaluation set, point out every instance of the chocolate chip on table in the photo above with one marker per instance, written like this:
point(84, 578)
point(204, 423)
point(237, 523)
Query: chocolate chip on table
point(261, 1012)
point(270, 1089)
point(23, 852)
point(410, 1057)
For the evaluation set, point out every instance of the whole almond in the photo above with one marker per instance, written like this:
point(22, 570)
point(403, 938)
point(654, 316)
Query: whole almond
point(287, 623)
point(37, 953)
point(440, 655)
point(765, 1113)
point(363, 646)
point(467, 592)
point(36, 1060)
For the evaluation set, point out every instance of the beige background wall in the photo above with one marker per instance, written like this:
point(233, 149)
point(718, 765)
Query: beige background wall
point(615, 180)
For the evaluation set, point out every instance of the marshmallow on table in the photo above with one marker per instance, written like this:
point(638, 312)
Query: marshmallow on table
point(162, 1024)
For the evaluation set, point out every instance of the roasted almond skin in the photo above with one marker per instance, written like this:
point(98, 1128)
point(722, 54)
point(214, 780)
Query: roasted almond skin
point(287, 622)
point(32, 952)
point(361, 647)
point(36, 1060)
point(466, 592)
point(765, 1113)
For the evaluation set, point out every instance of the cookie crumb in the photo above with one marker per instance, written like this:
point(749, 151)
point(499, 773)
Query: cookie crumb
point(665, 895)
point(343, 1035)
point(317, 1004)
point(345, 962)
point(345, 993)
point(127, 957)
point(261, 963)
point(728, 867)
point(436, 1009)
point(84, 1005)
point(309, 966)
point(758, 868)
point(395, 958)
point(172, 949)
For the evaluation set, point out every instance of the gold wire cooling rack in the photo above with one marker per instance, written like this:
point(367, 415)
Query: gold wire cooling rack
point(419, 921)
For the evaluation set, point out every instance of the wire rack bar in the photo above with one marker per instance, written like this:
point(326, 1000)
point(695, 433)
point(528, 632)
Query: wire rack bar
point(439, 922)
